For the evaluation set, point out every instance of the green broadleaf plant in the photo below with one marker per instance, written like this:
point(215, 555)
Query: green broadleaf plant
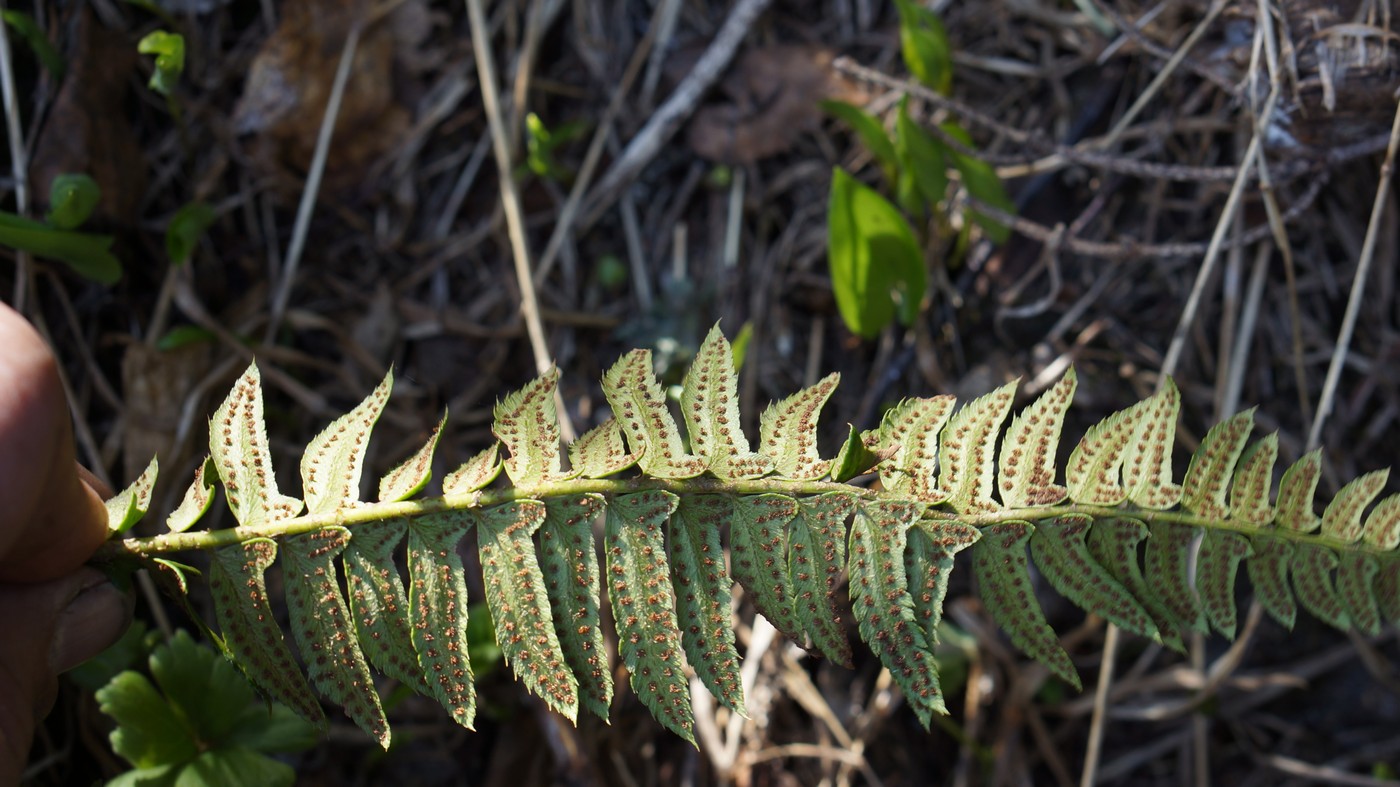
point(952, 480)
point(877, 269)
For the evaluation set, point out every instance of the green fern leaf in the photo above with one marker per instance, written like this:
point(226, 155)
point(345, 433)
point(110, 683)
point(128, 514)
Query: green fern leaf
point(1254, 476)
point(250, 629)
point(1312, 579)
point(1167, 570)
point(1295, 494)
point(855, 457)
point(1268, 573)
point(999, 562)
point(710, 404)
point(437, 605)
point(195, 504)
point(128, 506)
point(640, 408)
point(1092, 475)
point(1026, 467)
point(1217, 564)
point(1387, 590)
point(332, 462)
point(378, 603)
point(965, 451)
point(639, 584)
point(1062, 554)
point(788, 432)
point(407, 479)
point(1213, 465)
point(1356, 573)
point(910, 432)
point(758, 554)
point(475, 473)
point(1342, 518)
point(703, 592)
point(239, 450)
point(570, 568)
point(928, 563)
point(882, 605)
point(323, 630)
point(601, 452)
point(1113, 544)
point(1147, 462)
point(1382, 529)
point(515, 592)
point(528, 424)
point(816, 558)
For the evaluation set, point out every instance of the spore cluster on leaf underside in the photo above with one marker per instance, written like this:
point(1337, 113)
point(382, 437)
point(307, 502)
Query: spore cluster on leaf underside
point(686, 516)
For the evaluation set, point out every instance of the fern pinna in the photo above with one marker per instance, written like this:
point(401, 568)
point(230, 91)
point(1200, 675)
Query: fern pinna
point(794, 526)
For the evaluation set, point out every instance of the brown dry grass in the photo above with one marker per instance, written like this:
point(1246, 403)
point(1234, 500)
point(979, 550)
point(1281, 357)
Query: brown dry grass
point(407, 259)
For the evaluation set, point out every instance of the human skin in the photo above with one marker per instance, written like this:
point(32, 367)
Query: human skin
point(54, 612)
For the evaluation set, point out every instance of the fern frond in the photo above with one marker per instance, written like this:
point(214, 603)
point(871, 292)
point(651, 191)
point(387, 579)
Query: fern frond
point(1115, 536)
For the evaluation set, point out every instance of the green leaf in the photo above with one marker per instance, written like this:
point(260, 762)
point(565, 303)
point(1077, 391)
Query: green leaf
point(1295, 494)
point(703, 591)
point(816, 558)
point(758, 557)
point(528, 424)
point(911, 430)
point(1147, 461)
point(238, 447)
point(1254, 477)
point(871, 132)
point(710, 405)
point(1387, 590)
point(1167, 570)
point(966, 451)
point(570, 567)
point(88, 255)
point(1356, 573)
point(855, 457)
point(378, 604)
point(333, 461)
point(1382, 529)
point(128, 506)
point(1026, 465)
point(928, 563)
point(639, 406)
point(235, 767)
point(196, 501)
point(924, 46)
point(741, 345)
point(1342, 518)
point(788, 431)
point(882, 605)
point(1004, 582)
point(72, 199)
point(437, 605)
point(184, 336)
point(877, 269)
point(1268, 573)
point(475, 473)
point(169, 49)
point(981, 181)
point(1113, 544)
point(601, 452)
point(1312, 579)
point(250, 629)
point(324, 632)
point(519, 605)
point(1213, 466)
point(923, 167)
point(1062, 554)
point(185, 229)
point(50, 58)
point(649, 640)
point(407, 479)
point(1217, 563)
point(1092, 475)
point(148, 732)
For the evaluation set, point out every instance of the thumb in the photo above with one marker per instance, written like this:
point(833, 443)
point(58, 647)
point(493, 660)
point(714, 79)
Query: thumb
point(49, 628)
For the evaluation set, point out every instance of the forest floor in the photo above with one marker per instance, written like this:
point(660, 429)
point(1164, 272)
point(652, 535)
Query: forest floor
point(657, 207)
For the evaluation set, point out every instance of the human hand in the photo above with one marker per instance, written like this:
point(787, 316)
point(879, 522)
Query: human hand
point(54, 613)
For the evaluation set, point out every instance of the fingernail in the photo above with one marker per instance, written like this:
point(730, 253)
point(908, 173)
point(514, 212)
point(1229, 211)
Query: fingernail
point(94, 619)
